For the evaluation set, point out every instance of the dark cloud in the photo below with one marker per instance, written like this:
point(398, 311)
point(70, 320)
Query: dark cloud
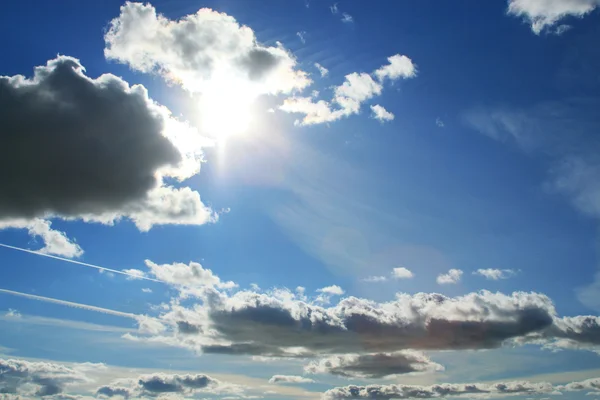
point(72, 145)
point(167, 383)
point(49, 378)
point(373, 366)
point(386, 392)
point(112, 391)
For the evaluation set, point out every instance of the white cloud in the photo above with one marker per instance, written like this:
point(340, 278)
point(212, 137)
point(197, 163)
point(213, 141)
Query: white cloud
point(439, 123)
point(453, 276)
point(402, 273)
point(11, 313)
point(191, 278)
point(55, 242)
point(146, 290)
point(201, 51)
point(134, 274)
point(334, 8)
point(348, 97)
point(347, 18)
point(495, 274)
point(375, 278)
point(290, 379)
point(544, 14)
point(334, 290)
point(399, 67)
point(302, 36)
point(322, 70)
point(381, 114)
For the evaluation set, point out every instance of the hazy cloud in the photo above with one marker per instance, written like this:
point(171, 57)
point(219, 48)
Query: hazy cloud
point(495, 274)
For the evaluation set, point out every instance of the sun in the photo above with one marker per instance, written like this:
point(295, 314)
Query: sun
point(226, 108)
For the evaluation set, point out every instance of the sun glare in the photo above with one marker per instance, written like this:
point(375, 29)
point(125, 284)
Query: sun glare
point(226, 108)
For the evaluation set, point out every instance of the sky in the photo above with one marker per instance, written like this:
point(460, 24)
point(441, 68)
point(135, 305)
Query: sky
point(299, 199)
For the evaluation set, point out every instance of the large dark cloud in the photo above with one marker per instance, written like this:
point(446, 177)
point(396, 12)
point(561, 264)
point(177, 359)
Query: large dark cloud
point(72, 145)
point(380, 365)
point(49, 378)
point(97, 149)
point(152, 385)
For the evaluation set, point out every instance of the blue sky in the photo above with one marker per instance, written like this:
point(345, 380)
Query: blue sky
point(299, 199)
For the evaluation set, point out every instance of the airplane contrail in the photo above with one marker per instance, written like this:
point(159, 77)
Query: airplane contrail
point(71, 304)
point(116, 271)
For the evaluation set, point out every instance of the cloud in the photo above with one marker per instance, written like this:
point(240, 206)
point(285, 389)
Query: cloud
point(381, 114)
point(439, 123)
point(386, 392)
point(322, 70)
point(280, 324)
point(334, 290)
point(102, 149)
point(399, 67)
point(302, 36)
point(453, 276)
point(55, 242)
point(334, 8)
point(290, 379)
point(347, 98)
point(402, 273)
point(545, 14)
point(375, 279)
point(347, 18)
point(200, 51)
point(146, 290)
point(47, 378)
point(373, 366)
point(495, 274)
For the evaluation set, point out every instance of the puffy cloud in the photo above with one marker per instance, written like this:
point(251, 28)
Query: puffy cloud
point(402, 273)
point(373, 366)
point(399, 67)
point(381, 114)
point(495, 274)
point(200, 51)
point(322, 70)
point(348, 97)
point(334, 290)
point(289, 379)
point(47, 378)
point(152, 385)
point(544, 14)
point(55, 242)
point(453, 276)
point(281, 324)
point(386, 392)
point(101, 151)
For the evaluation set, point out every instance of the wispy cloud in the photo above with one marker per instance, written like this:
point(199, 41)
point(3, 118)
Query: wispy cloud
point(347, 18)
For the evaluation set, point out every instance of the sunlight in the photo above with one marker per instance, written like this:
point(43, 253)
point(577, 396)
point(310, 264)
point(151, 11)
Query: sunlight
point(226, 107)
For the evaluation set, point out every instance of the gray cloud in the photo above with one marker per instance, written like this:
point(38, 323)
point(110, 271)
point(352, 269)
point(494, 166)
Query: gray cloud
point(96, 149)
point(373, 366)
point(289, 379)
point(155, 384)
point(386, 392)
point(48, 378)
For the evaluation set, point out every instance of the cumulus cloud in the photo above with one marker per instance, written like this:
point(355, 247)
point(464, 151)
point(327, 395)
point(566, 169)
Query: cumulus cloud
point(402, 273)
point(542, 15)
point(289, 379)
point(399, 67)
point(334, 290)
point(200, 51)
point(322, 70)
point(348, 97)
point(285, 324)
point(46, 378)
point(102, 149)
point(55, 242)
point(495, 274)
point(381, 114)
point(373, 366)
point(386, 392)
point(451, 277)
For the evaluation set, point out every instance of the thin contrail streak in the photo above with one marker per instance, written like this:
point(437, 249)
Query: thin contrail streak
point(116, 271)
point(71, 304)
